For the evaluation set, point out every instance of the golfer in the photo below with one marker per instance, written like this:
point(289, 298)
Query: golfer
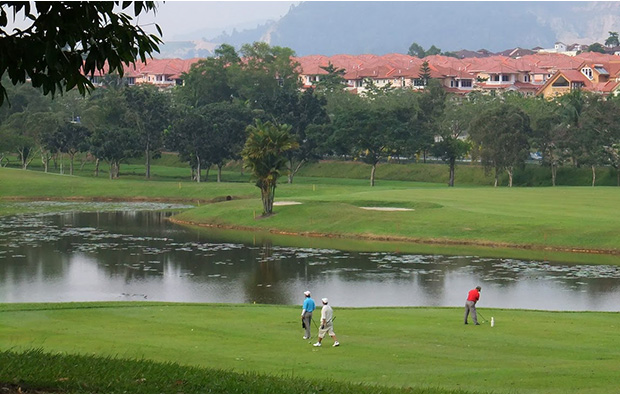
point(306, 314)
point(470, 304)
point(327, 324)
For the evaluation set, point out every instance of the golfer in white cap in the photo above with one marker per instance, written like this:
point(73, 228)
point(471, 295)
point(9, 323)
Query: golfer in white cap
point(306, 314)
point(327, 324)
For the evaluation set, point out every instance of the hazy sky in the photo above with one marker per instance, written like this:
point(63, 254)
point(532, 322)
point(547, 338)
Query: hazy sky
point(178, 19)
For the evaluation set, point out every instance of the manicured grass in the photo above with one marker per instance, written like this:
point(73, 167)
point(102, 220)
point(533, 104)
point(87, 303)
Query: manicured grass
point(542, 218)
point(421, 348)
point(560, 218)
point(39, 372)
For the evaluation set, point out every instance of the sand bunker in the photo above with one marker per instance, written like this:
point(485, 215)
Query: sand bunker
point(387, 208)
point(285, 203)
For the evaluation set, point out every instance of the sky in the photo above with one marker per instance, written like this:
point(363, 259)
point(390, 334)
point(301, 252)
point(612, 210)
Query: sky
point(185, 20)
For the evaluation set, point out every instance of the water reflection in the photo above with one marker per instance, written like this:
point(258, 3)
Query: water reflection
point(137, 255)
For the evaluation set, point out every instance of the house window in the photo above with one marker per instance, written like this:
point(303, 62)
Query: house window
point(417, 82)
point(358, 83)
point(505, 78)
point(495, 78)
point(587, 72)
point(465, 83)
point(526, 78)
point(454, 84)
point(560, 82)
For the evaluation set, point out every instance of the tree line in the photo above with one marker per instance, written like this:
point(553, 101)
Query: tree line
point(232, 103)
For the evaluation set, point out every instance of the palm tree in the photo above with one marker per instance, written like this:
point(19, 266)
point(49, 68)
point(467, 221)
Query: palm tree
point(263, 154)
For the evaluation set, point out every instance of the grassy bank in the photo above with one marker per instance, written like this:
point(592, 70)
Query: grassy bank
point(422, 348)
point(168, 167)
point(545, 219)
point(35, 371)
point(562, 218)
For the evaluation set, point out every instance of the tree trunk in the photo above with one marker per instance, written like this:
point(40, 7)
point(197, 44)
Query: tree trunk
point(268, 192)
point(452, 167)
point(554, 171)
point(593, 175)
point(71, 156)
point(45, 160)
point(219, 172)
point(148, 160)
point(372, 174)
point(97, 167)
point(198, 169)
point(510, 171)
point(292, 172)
point(62, 163)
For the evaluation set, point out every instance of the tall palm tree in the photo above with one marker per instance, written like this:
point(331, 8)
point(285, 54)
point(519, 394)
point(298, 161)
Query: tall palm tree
point(263, 154)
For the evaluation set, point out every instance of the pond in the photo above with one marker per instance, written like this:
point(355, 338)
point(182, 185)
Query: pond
point(135, 254)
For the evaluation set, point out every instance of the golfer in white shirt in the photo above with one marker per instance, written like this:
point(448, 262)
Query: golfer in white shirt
point(327, 324)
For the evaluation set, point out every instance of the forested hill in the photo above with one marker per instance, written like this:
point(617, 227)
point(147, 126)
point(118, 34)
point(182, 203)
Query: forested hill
point(332, 27)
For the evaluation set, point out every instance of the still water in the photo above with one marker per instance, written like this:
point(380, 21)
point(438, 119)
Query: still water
point(140, 255)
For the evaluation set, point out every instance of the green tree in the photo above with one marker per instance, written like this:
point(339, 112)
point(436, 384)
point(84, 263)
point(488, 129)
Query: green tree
point(432, 104)
point(263, 155)
point(596, 47)
point(372, 90)
point(416, 49)
point(425, 72)
point(113, 139)
point(548, 136)
point(502, 134)
point(113, 144)
point(370, 127)
point(612, 40)
point(333, 81)
point(69, 138)
point(66, 41)
point(226, 125)
point(300, 110)
point(598, 126)
point(209, 80)
point(433, 50)
point(189, 136)
point(265, 71)
point(150, 113)
point(450, 144)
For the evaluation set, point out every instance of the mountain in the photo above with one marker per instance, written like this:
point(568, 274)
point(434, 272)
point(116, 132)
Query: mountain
point(381, 27)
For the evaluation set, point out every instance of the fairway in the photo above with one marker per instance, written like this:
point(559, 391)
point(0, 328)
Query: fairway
point(555, 219)
point(525, 352)
point(568, 219)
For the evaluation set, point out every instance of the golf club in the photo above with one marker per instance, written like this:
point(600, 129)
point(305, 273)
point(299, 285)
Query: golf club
point(481, 316)
point(316, 326)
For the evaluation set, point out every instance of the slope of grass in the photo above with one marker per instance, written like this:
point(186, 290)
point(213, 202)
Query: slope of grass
point(422, 348)
point(564, 218)
point(554, 218)
point(37, 371)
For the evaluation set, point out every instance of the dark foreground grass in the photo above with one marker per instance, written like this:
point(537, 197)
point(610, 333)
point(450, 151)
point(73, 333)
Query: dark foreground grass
point(258, 348)
point(35, 371)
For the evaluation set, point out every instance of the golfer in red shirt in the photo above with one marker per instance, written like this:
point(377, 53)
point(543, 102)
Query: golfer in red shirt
point(470, 305)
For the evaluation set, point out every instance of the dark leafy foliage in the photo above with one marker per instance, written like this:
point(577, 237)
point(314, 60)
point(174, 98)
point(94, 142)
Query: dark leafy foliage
point(67, 41)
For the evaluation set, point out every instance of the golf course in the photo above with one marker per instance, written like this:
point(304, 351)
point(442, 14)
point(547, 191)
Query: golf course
point(145, 347)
